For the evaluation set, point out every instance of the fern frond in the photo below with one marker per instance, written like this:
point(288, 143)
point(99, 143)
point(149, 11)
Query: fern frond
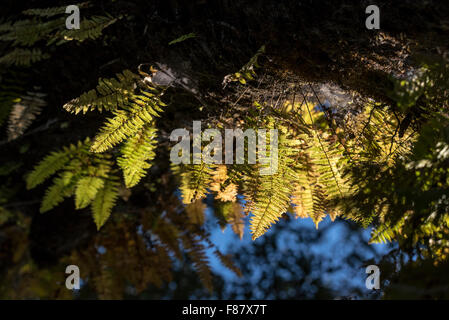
point(86, 190)
point(320, 171)
point(23, 57)
point(197, 252)
point(136, 153)
point(104, 201)
point(11, 89)
point(221, 184)
point(28, 32)
point(52, 163)
point(24, 113)
point(109, 94)
point(123, 125)
point(273, 197)
point(228, 263)
point(90, 29)
point(386, 232)
point(51, 12)
point(63, 186)
point(231, 213)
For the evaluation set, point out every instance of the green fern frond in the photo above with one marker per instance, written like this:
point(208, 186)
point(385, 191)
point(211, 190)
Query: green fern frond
point(386, 232)
point(320, 171)
point(303, 196)
point(120, 127)
point(90, 29)
point(53, 11)
point(109, 94)
point(104, 201)
point(52, 163)
point(62, 187)
point(139, 112)
point(136, 153)
point(86, 190)
point(23, 57)
point(273, 197)
point(88, 176)
point(30, 31)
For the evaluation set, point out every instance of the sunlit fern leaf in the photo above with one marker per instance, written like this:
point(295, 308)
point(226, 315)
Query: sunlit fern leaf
point(62, 187)
point(221, 184)
point(24, 113)
point(136, 154)
point(87, 176)
point(124, 124)
point(249, 175)
point(104, 201)
point(23, 57)
point(52, 163)
point(320, 175)
point(386, 232)
point(273, 196)
point(86, 190)
point(303, 197)
point(109, 94)
point(119, 128)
